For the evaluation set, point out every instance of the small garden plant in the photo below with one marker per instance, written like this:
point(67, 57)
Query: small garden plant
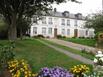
point(79, 70)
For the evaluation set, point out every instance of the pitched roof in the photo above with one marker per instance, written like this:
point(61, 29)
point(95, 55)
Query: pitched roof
point(66, 14)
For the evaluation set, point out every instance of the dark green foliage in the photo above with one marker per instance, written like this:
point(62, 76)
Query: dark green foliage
point(39, 36)
point(60, 36)
point(3, 29)
point(6, 54)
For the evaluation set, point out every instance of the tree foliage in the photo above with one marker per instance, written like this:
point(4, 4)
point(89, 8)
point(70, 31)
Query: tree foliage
point(95, 21)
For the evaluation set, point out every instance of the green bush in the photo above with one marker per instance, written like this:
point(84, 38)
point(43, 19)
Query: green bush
point(59, 36)
point(6, 54)
point(39, 36)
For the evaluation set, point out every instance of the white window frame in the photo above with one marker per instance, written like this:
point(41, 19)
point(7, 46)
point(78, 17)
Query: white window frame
point(34, 30)
point(44, 20)
point(68, 22)
point(62, 21)
point(49, 30)
point(68, 32)
point(44, 30)
point(50, 20)
point(63, 31)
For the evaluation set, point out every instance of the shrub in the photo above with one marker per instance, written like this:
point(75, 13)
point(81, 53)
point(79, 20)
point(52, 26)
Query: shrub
point(39, 36)
point(6, 55)
point(63, 36)
point(59, 36)
point(54, 72)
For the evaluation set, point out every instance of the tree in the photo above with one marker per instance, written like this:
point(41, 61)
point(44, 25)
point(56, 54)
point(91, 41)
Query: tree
point(15, 10)
point(23, 26)
point(3, 29)
point(96, 22)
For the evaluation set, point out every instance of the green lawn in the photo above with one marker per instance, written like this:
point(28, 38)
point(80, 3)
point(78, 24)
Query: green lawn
point(86, 55)
point(39, 55)
point(88, 42)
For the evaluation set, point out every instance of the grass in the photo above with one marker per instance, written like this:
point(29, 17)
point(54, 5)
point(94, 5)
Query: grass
point(86, 55)
point(84, 41)
point(39, 55)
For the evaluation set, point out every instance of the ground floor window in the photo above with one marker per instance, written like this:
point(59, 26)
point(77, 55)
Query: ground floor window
point(34, 30)
point(86, 33)
point(63, 31)
point(49, 30)
point(91, 33)
point(43, 30)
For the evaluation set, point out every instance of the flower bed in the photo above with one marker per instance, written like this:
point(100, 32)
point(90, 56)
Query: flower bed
point(54, 72)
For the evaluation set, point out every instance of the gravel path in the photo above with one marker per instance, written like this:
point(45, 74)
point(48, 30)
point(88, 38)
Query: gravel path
point(73, 45)
point(72, 55)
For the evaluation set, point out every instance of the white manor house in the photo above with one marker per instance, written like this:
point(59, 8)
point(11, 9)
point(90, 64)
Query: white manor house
point(61, 23)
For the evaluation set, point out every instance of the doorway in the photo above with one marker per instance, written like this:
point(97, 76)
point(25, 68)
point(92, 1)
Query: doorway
point(55, 32)
point(75, 32)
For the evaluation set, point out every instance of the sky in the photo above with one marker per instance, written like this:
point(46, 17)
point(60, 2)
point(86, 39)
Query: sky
point(86, 7)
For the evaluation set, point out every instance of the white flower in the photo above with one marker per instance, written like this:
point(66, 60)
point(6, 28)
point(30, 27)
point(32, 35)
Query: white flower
point(101, 59)
point(95, 60)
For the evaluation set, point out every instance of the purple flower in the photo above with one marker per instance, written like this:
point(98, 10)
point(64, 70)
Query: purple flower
point(54, 72)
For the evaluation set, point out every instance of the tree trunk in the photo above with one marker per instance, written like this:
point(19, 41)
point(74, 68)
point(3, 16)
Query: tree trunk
point(12, 31)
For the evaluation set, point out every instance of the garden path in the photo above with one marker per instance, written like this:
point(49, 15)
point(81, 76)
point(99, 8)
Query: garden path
point(72, 55)
point(74, 45)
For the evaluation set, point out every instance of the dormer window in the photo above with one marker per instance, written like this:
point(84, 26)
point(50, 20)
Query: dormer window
point(78, 16)
point(66, 13)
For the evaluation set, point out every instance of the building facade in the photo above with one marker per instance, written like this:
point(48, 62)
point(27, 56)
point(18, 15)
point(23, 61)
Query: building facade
point(64, 24)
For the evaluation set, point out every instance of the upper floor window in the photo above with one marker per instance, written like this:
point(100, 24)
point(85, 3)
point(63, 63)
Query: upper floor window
point(44, 20)
point(63, 22)
point(68, 22)
point(34, 30)
point(50, 21)
point(75, 23)
point(34, 19)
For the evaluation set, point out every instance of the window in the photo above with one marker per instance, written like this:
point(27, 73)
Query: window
point(50, 31)
point(86, 33)
point(68, 22)
point(44, 20)
point(68, 31)
point(43, 30)
point(34, 19)
point(50, 21)
point(34, 30)
point(63, 22)
point(75, 23)
point(63, 31)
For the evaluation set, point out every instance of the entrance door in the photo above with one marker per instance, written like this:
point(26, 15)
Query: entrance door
point(75, 32)
point(55, 32)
